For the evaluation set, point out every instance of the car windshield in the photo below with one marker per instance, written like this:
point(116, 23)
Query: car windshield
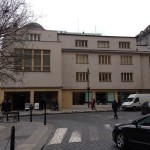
point(129, 100)
point(144, 121)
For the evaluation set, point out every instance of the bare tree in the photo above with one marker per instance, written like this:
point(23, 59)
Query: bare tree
point(14, 16)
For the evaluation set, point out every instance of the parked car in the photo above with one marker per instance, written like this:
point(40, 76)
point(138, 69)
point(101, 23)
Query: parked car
point(136, 133)
point(145, 109)
point(135, 101)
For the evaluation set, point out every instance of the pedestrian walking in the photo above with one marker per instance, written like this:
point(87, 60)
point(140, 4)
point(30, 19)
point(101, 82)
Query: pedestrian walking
point(91, 103)
point(6, 106)
point(115, 107)
point(94, 104)
point(55, 104)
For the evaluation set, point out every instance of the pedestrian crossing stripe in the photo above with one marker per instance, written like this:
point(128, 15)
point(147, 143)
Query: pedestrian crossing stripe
point(93, 134)
point(75, 137)
point(58, 136)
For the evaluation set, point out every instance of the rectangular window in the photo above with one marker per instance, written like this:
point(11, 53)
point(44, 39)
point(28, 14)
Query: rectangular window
point(126, 77)
point(34, 37)
point(105, 77)
point(81, 77)
point(31, 37)
point(104, 59)
point(81, 43)
point(46, 60)
point(81, 59)
point(79, 98)
point(37, 60)
point(27, 61)
point(32, 60)
point(104, 97)
point(18, 60)
point(125, 45)
point(126, 60)
point(103, 44)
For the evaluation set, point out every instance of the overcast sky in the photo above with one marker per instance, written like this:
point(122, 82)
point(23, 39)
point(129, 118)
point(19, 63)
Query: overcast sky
point(108, 17)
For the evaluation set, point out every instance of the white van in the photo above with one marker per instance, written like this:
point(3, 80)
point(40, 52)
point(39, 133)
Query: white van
point(135, 101)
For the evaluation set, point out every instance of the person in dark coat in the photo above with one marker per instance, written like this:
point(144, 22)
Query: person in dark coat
point(55, 104)
point(94, 104)
point(115, 107)
point(4, 106)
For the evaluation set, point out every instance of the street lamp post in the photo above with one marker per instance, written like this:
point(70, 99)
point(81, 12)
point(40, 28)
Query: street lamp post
point(88, 86)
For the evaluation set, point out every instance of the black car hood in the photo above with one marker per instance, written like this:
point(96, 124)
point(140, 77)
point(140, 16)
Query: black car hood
point(123, 125)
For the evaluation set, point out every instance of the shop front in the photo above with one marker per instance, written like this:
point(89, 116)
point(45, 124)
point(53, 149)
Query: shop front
point(20, 100)
point(17, 99)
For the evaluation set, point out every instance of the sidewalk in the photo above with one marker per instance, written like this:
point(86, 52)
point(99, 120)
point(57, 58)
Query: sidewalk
point(28, 135)
point(75, 109)
point(33, 135)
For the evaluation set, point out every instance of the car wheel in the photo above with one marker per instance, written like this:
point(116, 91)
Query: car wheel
point(120, 140)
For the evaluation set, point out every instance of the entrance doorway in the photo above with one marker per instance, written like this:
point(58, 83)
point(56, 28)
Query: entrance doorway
point(18, 99)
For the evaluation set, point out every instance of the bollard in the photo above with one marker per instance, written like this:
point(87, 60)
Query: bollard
point(12, 142)
point(7, 116)
point(45, 113)
point(18, 116)
point(45, 117)
point(31, 113)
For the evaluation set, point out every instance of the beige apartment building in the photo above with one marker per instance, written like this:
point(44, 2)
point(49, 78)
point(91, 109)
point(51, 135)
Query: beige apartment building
point(72, 68)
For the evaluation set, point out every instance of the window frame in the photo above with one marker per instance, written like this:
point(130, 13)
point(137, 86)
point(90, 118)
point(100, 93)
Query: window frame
point(34, 37)
point(126, 60)
point(103, 44)
point(81, 77)
point(126, 77)
point(105, 77)
point(81, 43)
point(41, 66)
point(104, 59)
point(82, 58)
point(124, 45)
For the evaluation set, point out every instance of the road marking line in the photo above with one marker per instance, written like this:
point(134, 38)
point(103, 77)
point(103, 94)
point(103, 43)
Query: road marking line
point(108, 127)
point(75, 137)
point(58, 136)
point(93, 134)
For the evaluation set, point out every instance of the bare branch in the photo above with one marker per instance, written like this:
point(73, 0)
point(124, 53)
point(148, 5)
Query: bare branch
point(14, 16)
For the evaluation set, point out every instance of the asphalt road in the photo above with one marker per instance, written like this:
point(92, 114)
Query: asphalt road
point(84, 131)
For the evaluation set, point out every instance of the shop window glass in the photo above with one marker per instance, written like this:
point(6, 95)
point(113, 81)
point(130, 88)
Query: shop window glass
point(78, 98)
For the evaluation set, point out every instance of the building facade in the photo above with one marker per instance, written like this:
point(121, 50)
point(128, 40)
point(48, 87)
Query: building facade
point(72, 68)
point(42, 80)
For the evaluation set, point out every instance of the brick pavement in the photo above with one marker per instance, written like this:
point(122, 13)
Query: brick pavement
point(28, 135)
point(33, 135)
